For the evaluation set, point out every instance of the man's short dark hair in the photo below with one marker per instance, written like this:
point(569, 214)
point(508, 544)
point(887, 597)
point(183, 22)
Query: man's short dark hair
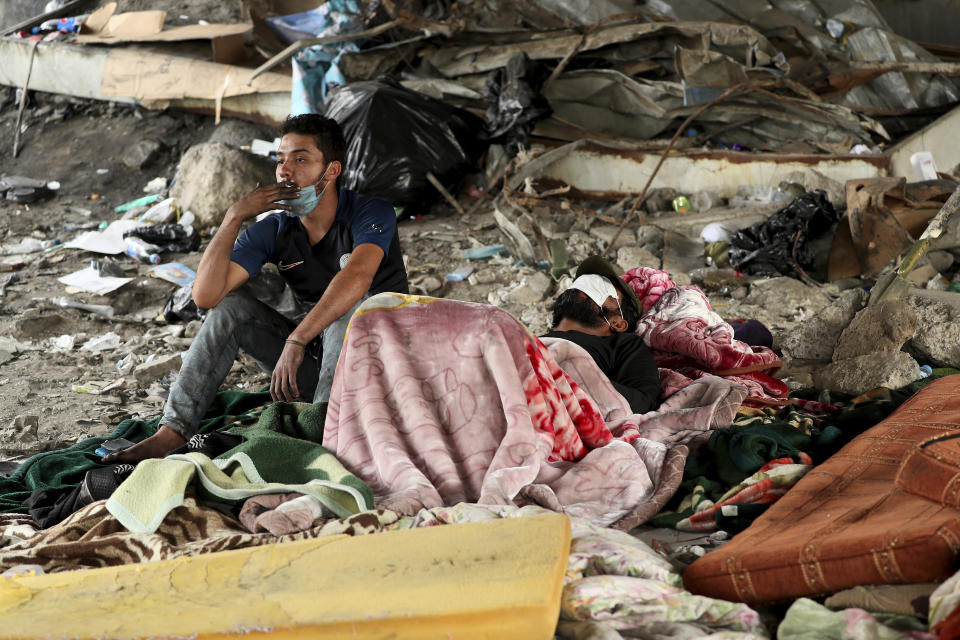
point(575, 305)
point(325, 131)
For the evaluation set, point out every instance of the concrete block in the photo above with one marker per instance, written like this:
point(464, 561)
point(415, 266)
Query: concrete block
point(157, 368)
point(817, 338)
point(882, 327)
point(890, 369)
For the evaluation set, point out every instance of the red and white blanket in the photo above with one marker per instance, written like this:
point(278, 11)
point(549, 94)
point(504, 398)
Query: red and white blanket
point(689, 340)
point(437, 402)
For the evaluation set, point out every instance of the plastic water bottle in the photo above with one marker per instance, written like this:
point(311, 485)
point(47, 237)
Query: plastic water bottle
point(142, 251)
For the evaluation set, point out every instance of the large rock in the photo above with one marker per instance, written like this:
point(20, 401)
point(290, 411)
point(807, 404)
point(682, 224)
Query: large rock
point(817, 338)
point(880, 328)
point(937, 339)
point(240, 133)
point(788, 294)
point(890, 369)
point(213, 176)
point(532, 289)
point(633, 257)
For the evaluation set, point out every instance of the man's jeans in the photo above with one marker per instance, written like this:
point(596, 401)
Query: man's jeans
point(242, 322)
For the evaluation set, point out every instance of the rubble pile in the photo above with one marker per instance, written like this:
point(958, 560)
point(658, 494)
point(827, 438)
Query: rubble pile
point(496, 131)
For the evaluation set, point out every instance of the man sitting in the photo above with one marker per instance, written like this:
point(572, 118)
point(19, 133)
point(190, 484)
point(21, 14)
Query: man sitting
point(599, 312)
point(334, 248)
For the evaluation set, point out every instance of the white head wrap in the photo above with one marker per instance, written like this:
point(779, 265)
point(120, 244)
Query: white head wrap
point(596, 287)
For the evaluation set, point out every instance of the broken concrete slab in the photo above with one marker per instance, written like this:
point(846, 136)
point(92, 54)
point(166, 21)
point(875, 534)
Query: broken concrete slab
point(883, 327)
point(234, 172)
point(532, 289)
point(937, 338)
point(890, 369)
point(157, 368)
point(788, 294)
point(632, 257)
point(817, 338)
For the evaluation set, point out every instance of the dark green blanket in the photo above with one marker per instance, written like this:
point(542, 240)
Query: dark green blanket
point(67, 467)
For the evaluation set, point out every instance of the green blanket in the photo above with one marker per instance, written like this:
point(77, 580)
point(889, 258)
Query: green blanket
point(67, 467)
point(280, 455)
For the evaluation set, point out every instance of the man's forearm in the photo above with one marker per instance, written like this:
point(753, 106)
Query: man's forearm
point(345, 290)
point(208, 287)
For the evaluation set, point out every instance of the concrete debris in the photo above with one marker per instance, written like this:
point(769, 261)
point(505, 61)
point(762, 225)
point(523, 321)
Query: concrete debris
point(880, 328)
point(937, 338)
point(892, 369)
point(142, 153)
point(531, 290)
point(235, 173)
point(631, 257)
point(789, 296)
point(157, 368)
point(816, 339)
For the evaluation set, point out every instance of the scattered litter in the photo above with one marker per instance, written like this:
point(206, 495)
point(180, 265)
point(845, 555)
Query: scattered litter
point(65, 342)
point(780, 245)
point(478, 253)
point(139, 202)
point(140, 250)
point(27, 245)
point(459, 275)
point(156, 185)
point(89, 279)
point(106, 342)
point(175, 272)
point(109, 241)
point(181, 307)
point(924, 168)
point(101, 310)
point(166, 237)
point(264, 147)
point(163, 211)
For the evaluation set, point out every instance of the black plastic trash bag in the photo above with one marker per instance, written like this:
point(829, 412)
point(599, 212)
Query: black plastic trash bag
point(395, 136)
point(780, 244)
point(181, 307)
point(514, 102)
point(167, 237)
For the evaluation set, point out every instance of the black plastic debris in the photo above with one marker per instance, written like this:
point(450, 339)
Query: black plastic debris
point(396, 136)
point(181, 307)
point(780, 244)
point(514, 102)
point(25, 190)
point(167, 237)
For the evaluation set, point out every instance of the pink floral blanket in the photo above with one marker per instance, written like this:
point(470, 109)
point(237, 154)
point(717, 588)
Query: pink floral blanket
point(689, 340)
point(437, 402)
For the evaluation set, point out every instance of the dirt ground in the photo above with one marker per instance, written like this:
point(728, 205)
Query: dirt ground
point(46, 376)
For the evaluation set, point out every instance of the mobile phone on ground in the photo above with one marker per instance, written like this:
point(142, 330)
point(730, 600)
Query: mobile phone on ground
point(112, 446)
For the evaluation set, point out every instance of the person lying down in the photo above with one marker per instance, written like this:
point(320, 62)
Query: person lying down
point(437, 401)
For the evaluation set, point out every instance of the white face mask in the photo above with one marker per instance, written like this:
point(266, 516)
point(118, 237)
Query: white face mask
point(598, 289)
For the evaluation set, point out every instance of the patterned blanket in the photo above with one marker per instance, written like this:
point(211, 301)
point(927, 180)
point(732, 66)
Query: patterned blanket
point(689, 340)
point(437, 402)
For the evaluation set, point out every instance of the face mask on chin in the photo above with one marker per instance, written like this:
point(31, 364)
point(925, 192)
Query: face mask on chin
point(308, 199)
